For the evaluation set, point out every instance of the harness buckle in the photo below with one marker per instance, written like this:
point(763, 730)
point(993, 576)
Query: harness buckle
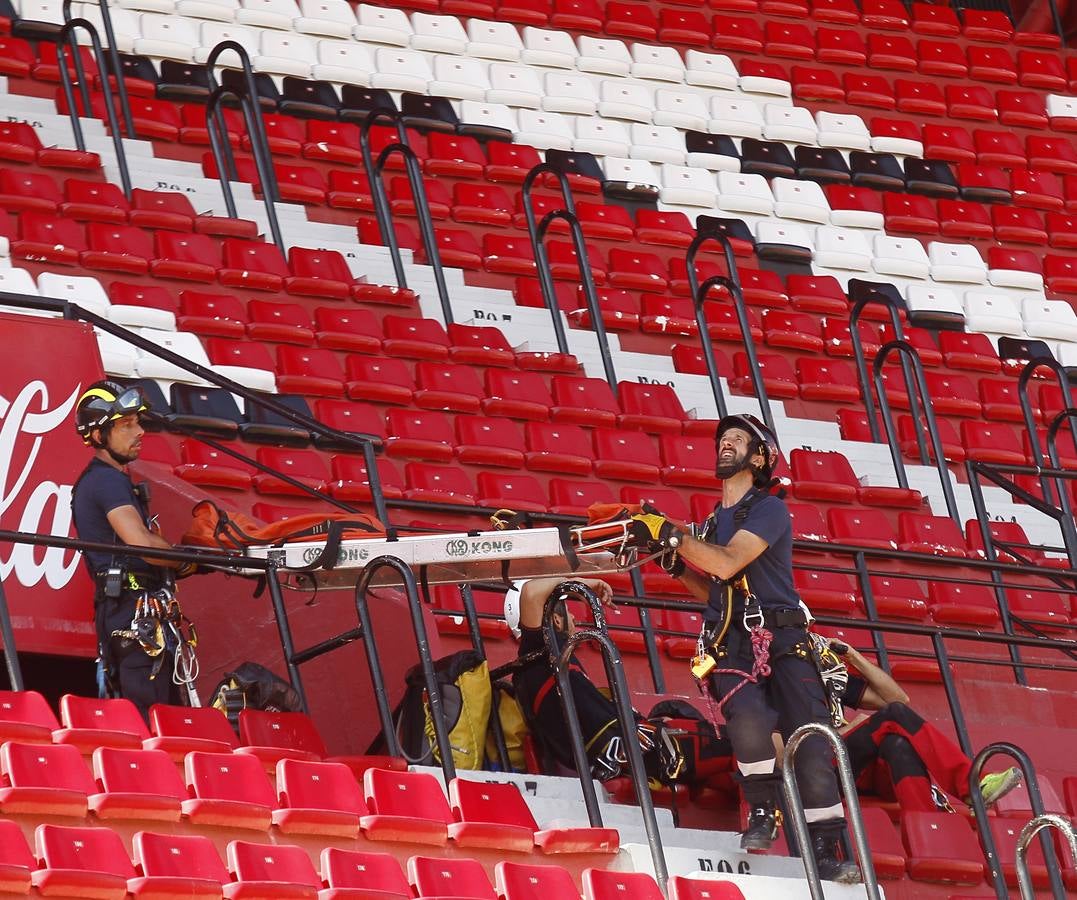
point(753, 618)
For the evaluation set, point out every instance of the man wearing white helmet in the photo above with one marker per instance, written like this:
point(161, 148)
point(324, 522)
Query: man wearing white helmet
point(536, 690)
point(753, 654)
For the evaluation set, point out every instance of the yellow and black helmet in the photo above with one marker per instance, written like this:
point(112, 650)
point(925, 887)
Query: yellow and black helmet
point(104, 402)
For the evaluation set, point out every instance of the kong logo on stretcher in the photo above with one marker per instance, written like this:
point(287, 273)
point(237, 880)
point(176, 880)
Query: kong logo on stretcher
point(462, 547)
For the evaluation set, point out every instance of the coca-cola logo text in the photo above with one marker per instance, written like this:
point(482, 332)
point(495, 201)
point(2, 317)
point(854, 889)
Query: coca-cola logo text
point(46, 505)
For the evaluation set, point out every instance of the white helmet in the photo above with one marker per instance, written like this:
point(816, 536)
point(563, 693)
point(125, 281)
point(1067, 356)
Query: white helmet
point(512, 608)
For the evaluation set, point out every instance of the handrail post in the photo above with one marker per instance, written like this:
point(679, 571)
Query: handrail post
point(7, 635)
point(796, 809)
point(706, 231)
point(383, 211)
point(559, 658)
point(957, 714)
point(422, 644)
point(1037, 826)
point(980, 507)
point(1063, 379)
point(1035, 799)
point(537, 232)
point(284, 631)
point(255, 126)
point(67, 37)
point(114, 58)
point(860, 360)
point(1069, 529)
point(908, 352)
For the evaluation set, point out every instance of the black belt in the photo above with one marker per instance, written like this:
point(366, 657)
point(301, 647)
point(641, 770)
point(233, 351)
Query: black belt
point(786, 617)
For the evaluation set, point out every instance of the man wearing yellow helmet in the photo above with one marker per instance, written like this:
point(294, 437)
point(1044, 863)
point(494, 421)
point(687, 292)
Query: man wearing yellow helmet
point(109, 508)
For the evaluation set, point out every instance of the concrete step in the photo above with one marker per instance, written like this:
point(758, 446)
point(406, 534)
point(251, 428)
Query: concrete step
point(766, 887)
point(723, 855)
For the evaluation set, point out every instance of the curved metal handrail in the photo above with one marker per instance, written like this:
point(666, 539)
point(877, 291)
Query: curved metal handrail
point(537, 233)
point(908, 353)
point(252, 116)
point(114, 58)
point(1034, 827)
point(559, 656)
point(731, 282)
point(383, 211)
point(1063, 379)
point(852, 803)
point(422, 644)
point(67, 37)
point(1035, 799)
point(1069, 529)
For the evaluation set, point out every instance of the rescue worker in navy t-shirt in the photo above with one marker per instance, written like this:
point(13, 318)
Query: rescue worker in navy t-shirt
point(754, 655)
point(109, 508)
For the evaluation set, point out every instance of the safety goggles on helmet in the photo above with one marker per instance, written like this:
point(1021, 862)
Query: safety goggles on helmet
point(106, 402)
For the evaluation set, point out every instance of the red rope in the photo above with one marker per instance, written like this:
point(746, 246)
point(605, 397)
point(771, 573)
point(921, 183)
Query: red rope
point(761, 639)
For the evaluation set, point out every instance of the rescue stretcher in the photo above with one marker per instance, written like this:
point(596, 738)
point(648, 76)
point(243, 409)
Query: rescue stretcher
point(455, 558)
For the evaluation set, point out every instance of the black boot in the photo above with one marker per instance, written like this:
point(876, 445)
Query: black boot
point(761, 795)
point(826, 845)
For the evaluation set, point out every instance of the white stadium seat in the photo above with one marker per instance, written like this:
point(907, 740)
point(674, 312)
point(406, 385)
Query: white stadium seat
point(993, 313)
point(900, 256)
point(688, 186)
point(515, 85)
point(956, 263)
point(789, 123)
point(489, 115)
point(656, 143)
point(570, 92)
point(545, 47)
point(326, 18)
point(544, 130)
point(278, 14)
point(346, 62)
point(213, 10)
point(936, 302)
point(171, 37)
point(736, 117)
point(1050, 319)
point(285, 53)
point(1061, 107)
point(603, 56)
point(460, 77)
point(213, 33)
point(493, 40)
point(82, 290)
point(401, 70)
point(680, 109)
point(382, 25)
point(657, 63)
point(438, 34)
point(622, 100)
point(711, 70)
point(601, 137)
point(744, 193)
point(800, 200)
point(844, 131)
point(842, 248)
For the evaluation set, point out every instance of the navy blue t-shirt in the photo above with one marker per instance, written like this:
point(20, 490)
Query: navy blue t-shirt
point(101, 489)
point(770, 575)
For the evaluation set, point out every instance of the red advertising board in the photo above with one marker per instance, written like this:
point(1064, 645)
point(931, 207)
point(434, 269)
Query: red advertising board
point(44, 365)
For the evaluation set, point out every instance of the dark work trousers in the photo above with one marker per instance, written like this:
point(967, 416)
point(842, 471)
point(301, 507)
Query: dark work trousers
point(914, 752)
point(789, 697)
point(128, 666)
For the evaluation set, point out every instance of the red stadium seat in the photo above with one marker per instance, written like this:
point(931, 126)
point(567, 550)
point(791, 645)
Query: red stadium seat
point(827, 592)
point(862, 527)
point(779, 378)
point(953, 449)
point(210, 467)
point(454, 387)
point(49, 239)
point(44, 780)
point(318, 273)
point(186, 257)
point(1042, 607)
point(625, 455)
point(438, 484)
point(972, 605)
point(353, 330)
point(405, 806)
point(136, 784)
point(415, 338)
point(16, 859)
point(173, 865)
point(561, 448)
point(286, 323)
point(941, 847)
point(311, 371)
point(307, 467)
point(887, 852)
point(81, 862)
point(682, 888)
point(419, 434)
point(523, 881)
point(603, 884)
point(281, 871)
point(654, 408)
point(441, 877)
point(272, 736)
point(89, 723)
point(573, 498)
point(379, 380)
point(631, 20)
point(898, 598)
point(351, 482)
point(480, 345)
point(180, 729)
point(992, 442)
point(489, 441)
point(320, 798)
point(518, 395)
point(945, 58)
point(228, 789)
point(688, 461)
point(25, 716)
point(819, 475)
point(925, 533)
point(376, 873)
point(827, 379)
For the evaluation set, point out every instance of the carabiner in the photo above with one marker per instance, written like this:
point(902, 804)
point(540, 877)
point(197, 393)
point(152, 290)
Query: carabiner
point(753, 618)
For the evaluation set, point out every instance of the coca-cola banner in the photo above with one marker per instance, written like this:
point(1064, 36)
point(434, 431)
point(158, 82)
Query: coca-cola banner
point(44, 364)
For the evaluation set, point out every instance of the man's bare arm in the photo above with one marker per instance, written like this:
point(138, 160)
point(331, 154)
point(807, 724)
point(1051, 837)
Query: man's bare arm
point(881, 689)
point(129, 528)
point(723, 560)
point(535, 592)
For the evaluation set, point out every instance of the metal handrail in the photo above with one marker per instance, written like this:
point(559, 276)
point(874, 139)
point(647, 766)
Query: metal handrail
point(383, 210)
point(852, 803)
point(1034, 827)
point(67, 37)
point(1063, 379)
point(1035, 799)
point(537, 232)
point(708, 231)
point(377, 677)
point(114, 58)
point(860, 360)
point(908, 353)
point(218, 137)
point(559, 657)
